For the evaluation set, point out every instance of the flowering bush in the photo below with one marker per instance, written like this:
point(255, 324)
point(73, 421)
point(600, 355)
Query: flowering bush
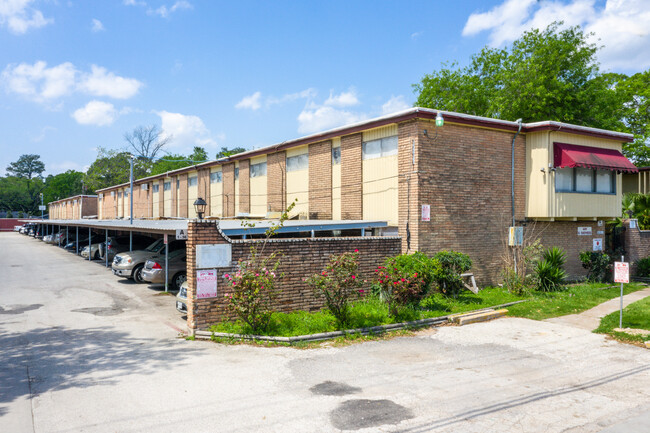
point(253, 292)
point(398, 288)
point(452, 265)
point(338, 283)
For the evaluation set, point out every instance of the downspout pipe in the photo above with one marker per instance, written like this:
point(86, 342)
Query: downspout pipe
point(512, 172)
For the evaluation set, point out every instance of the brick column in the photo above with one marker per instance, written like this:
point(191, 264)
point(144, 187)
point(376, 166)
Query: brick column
point(244, 186)
point(276, 168)
point(228, 173)
point(200, 311)
point(204, 187)
point(161, 196)
point(351, 178)
point(174, 212)
point(320, 180)
point(408, 184)
point(182, 196)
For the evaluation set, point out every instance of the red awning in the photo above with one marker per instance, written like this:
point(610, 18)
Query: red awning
point(572, 155)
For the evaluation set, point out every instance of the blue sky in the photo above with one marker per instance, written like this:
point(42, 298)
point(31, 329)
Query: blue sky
point(77, 75)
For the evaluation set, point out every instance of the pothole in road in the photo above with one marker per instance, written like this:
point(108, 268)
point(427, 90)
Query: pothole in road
point(19, 309)
point(334, 388)
point(358, 414)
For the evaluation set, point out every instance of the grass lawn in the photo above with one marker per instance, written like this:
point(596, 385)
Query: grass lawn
point(370, 311)
point(576, 299)
point(635, 315)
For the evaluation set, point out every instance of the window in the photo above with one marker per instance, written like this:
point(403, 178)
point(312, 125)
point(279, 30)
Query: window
point(216, 177)
point(258, 170)
point(236, 173)
point(126, 193)
point(156, 187)
point(298, 162)
point(585, 180)
point(119, 194)
point(193, 181)
point(379, 148)
point(167, 186)
point(336, 155)
point(178, 184)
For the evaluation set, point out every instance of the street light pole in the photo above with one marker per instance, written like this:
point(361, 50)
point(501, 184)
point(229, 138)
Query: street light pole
point(42, 208)
point(131, 212)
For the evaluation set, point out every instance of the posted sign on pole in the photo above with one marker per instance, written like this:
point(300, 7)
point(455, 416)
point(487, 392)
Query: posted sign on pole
point(621, 272)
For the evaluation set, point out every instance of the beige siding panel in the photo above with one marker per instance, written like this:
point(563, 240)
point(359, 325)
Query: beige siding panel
point(298, 185)
point(258, 190)
point(380, 189)
point(377, 133)
point(297, 151)
point(100, 209)
point(120, 203)
point(216, 195)
point(336, 184)
point(192, 194)
point(538, 184)
point(155, 198)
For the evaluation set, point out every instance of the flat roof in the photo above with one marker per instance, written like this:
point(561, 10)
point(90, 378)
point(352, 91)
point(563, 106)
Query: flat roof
point(230, 227)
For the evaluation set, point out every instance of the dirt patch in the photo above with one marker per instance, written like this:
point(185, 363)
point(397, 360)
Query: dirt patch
point(358, 414)
point(334, 388)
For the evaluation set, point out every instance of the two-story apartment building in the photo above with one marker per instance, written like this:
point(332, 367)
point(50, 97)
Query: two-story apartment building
point(77, 207)
point(456, 186)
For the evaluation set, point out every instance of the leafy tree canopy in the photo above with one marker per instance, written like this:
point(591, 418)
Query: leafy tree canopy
point(63, 185)
point(176, 161)
point(224, 152)
point(27, 166)
point(112, 168)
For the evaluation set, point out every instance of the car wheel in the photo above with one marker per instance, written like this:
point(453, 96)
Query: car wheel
point(137, 274)
point(96, 257)
point(178, 280)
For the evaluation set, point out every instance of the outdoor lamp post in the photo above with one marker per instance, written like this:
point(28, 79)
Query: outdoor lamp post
point(199, 207)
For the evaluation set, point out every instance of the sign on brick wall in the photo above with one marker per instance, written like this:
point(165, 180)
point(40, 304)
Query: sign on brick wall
point(584, 231)
point(206, 283)
point(213, 256)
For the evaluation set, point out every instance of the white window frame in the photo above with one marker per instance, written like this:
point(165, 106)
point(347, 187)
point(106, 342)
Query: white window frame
point(387, 147)
point(258, 170)
point(594, 180)
point(216, 177)
point(297, 162)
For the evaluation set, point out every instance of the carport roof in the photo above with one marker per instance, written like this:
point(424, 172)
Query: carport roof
point(229, 227)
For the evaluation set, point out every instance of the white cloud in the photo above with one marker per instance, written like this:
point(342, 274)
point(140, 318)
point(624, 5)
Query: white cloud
point(315, 119)
point(63, 166)
point(186, 131)
point(251, 102)
point(394, 104)
point(134, 3)
point(102, 83)
point(621, 26)
point(19, 17)
point(343, 99)
point(43, 84)
point(307, 94)
point(164, 11)
point(415, 36)
point(97, 26)
point(96, 113)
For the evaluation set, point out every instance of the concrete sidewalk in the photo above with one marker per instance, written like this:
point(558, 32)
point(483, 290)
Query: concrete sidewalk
point(590, 319)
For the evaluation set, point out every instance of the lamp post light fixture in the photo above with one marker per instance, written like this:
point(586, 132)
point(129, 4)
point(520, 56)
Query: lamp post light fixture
point(199, 207)
point(439, 119)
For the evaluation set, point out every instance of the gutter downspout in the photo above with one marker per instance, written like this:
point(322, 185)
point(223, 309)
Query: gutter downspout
point(512, 185)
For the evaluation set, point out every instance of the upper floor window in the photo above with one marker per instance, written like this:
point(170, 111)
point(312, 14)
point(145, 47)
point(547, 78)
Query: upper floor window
point(167, 186)
point(236, 173)
point(119, 194)
point(379, 148)
point(258, 170)
point(193, 181)
point(156, 187)
point(298, 162)
point(336, 155)
point(585, 180)
point(216, 177)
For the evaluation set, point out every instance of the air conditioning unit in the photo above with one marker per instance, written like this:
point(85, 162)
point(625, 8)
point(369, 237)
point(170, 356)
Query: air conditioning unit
point(145, 187)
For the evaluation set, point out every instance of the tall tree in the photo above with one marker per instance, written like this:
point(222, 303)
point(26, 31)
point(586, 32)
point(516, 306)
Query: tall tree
point(112, 168)
point(198, 155)
point(146, 141)
point(27, 166)
point(549, 74)
point(169, 163)
point(63, 185)
point(224, 152)
point(635, 93)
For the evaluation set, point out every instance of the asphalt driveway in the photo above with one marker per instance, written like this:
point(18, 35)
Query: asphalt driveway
point(81, 350)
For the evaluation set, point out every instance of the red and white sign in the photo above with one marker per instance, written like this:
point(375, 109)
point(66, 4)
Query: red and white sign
point(621, 272)
point(426, 212)
point(206, 283)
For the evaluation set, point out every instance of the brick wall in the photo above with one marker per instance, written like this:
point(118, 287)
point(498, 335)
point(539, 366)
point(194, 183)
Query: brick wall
point(320, 180)
point(408, 186)
point(637, 245)
point(276, 168)
point(89, 206)
point(300, 259)
point(228, 173)
point(464, 175)
point(161, 197)
point(244, 186)
point(351, 178)
point(204, 187)
point(174, 194)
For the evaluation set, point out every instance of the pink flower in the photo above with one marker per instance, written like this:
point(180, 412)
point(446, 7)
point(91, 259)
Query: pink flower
point(362, 291)
point(226, 275)
point(356, 251)
point(353, 277)
point(257, 275)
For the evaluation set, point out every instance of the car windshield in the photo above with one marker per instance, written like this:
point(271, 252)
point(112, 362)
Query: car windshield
point(175, 254)
point(156, 246)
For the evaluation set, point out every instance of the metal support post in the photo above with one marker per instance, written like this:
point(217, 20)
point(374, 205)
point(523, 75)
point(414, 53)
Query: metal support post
point(89, 244)
point(106, 248)
point(166, 267)
point(76, 241)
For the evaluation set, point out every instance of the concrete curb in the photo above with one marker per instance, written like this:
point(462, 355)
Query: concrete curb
point(206, 335)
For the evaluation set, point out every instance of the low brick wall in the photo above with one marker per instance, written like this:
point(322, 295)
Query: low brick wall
point(300, 258)
point(637, 245)
point(7, 224)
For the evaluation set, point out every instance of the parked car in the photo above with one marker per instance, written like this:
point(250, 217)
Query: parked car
point(93, 251)
point(118, 244)
point(130, 264)
point(47, 239)
point(17, 228)
point(181, 298)
point(154, 269)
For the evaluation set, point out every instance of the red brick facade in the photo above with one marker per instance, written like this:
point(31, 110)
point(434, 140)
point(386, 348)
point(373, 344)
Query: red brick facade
point(320, 180)
point(351, 178)
point(244, 186)
point(311, 254)
point(276, 169)
point(637, 245)
point(228, 190)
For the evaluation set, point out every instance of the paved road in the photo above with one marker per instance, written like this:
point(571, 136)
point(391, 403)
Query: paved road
point(82, 351)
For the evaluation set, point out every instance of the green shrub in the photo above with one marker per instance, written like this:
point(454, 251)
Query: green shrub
point(597, 264)
point(398, 288)
point(549, 272)
point(417, 263)
point(447, 276)
point(337, 284)
point(643, 267)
